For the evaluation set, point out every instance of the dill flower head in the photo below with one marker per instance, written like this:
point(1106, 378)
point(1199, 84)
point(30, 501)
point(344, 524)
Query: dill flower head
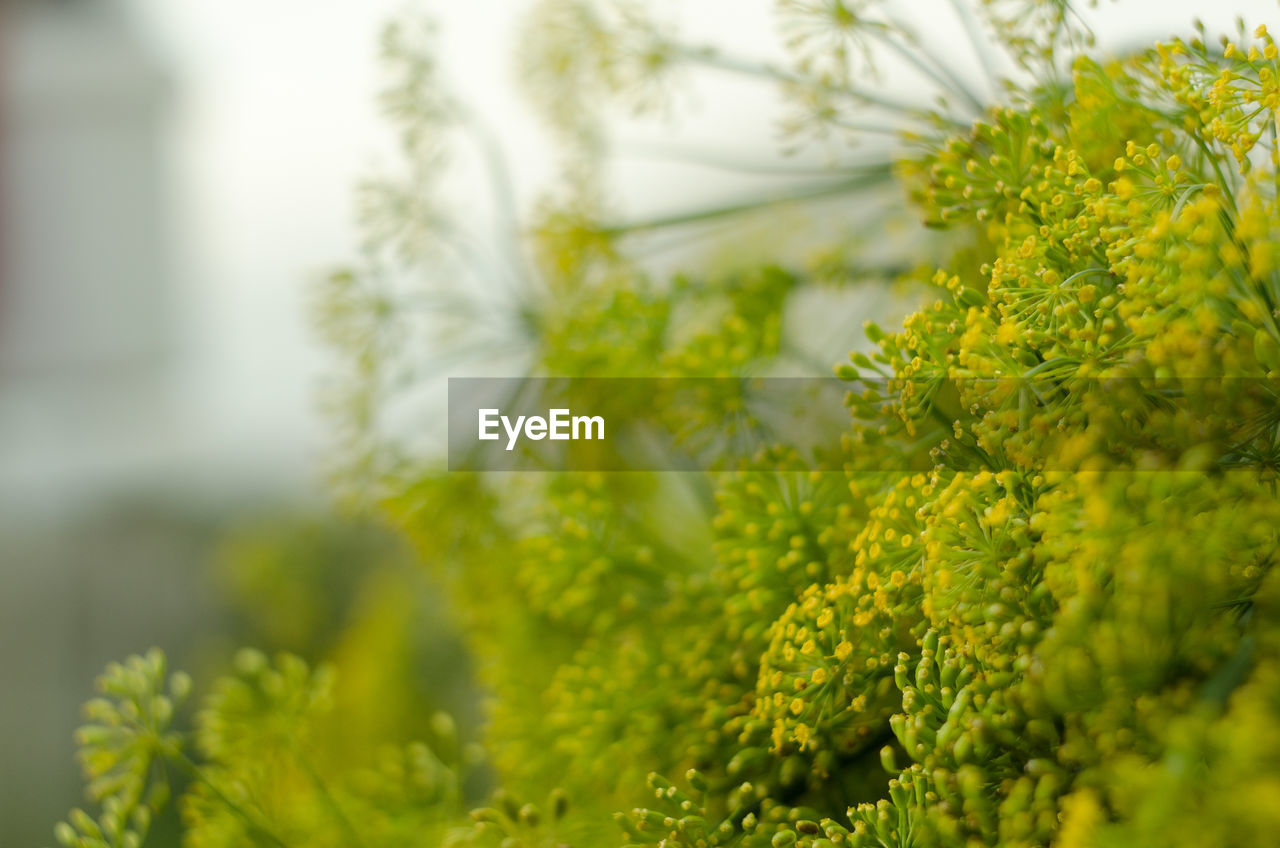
point(1036, 606)
point(833, 39)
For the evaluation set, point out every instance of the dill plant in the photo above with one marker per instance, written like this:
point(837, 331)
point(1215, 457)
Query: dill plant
point(1056, 625)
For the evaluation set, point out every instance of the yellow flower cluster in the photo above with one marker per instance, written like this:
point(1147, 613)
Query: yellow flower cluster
point(1038, 607)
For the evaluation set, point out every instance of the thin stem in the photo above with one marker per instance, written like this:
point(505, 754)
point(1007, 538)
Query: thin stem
point(670, 240)
point(711, 58)
point(195, 772)
point(872, 176)
point(649, 150)
point(975, 39)
point(1085, 273)
point(330, 804)
point(470, 254)
point(936, 71)
point(874, 129)
point(503, 188)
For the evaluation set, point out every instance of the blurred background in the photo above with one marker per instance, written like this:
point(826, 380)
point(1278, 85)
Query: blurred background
point(173, 175)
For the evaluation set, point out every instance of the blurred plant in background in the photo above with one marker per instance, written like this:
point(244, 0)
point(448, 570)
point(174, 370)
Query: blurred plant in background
point(1058, 629)
point(349, 595)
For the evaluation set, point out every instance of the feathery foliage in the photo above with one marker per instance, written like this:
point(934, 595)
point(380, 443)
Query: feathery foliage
point(1053, 624)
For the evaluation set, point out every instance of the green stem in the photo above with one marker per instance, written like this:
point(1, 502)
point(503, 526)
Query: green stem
point(873, 129)
point(1213, 162)
point(975, 39)
point(330, 803)
point(712, 58)
point(936, 71)
point(716, 160)
point(872, 176)
point(196, 773)
point(504, 193)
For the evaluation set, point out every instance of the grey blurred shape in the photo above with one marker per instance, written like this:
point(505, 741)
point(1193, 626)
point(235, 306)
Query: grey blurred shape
point(84, 353)
point(85, 319)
